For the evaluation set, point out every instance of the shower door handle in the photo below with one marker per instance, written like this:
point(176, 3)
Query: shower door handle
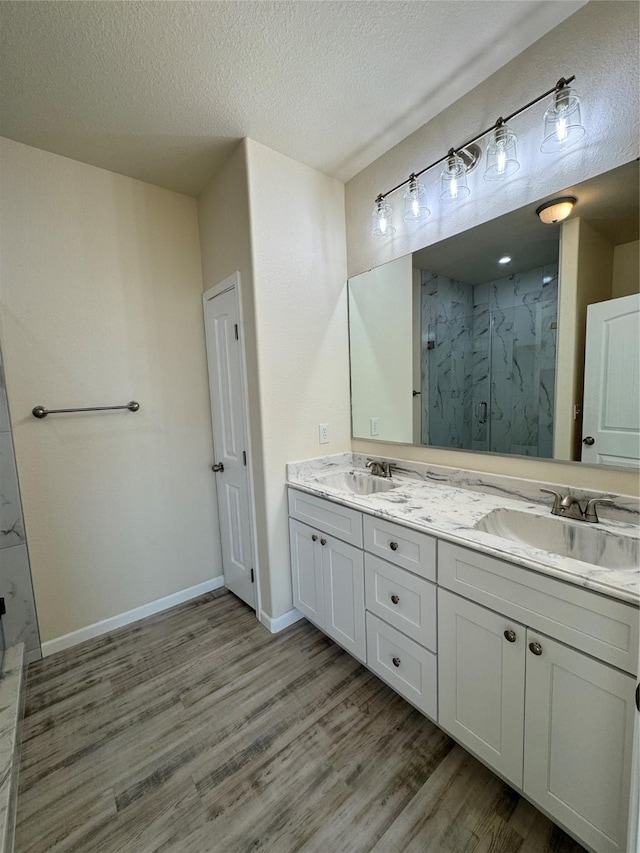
point(482, 412)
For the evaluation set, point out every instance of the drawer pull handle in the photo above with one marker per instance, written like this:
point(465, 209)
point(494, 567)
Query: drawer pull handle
point(314, 538)
point(395, 599)
point(393, 546)
point(395, 661)
point(510, 636)
point(535, 648)
point(323, 541)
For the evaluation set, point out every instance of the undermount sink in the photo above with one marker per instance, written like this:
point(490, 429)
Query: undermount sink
point(577, 540)
point(357, 483)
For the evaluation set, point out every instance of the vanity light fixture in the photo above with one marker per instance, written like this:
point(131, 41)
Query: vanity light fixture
point(563, 128)
point(415, 201)
point(562, 123)
point(382, 218)
point(554, 211)
point(501, 153)
point(453, 179)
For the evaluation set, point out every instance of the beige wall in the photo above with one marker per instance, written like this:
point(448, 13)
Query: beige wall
point(225, 240)
point(599, 45)
point(626, 269)
point(101, 303)
point(299, 268)
point(381, 345)
point(586, 263)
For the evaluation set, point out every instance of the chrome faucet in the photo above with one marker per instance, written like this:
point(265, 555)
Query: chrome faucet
point(568, 506)
point(378, 468)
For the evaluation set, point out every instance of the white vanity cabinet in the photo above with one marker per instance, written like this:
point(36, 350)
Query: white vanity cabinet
point(328, 573)
point(555, 722)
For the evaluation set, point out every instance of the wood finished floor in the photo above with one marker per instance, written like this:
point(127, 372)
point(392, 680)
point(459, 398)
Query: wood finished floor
point(196, 731)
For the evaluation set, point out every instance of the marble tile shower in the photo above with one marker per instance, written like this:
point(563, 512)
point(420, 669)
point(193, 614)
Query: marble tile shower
point(20, 623)
point(488, 355)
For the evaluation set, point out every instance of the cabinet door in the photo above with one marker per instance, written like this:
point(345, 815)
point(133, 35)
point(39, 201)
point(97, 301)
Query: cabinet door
point(481, 658)
point(343, 578)
point(578, 742)
point(306, 571)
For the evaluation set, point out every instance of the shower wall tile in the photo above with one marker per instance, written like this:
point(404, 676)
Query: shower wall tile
point(20, 623)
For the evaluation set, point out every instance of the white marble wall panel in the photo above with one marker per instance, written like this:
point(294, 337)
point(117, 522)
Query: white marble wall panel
point(20, 624)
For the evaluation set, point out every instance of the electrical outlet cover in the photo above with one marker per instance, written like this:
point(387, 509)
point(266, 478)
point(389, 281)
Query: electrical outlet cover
point(375, 426)
point(323, 429)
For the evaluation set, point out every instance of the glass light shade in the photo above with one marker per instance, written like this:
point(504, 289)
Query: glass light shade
point(382, 219)
point(555, 211)
point(453, 180)
point(562, 122)
point(415, 202)
point(501, 154)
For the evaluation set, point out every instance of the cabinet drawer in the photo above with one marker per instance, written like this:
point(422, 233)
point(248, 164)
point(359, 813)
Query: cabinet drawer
point(400, 545)
point(331, 518)
point(601, 626)
point(403, 664)
point(405, 601)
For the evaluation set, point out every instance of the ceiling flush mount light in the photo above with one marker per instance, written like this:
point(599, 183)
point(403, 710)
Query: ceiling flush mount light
point(415, 201)
point(501, 153)
point(382, 213)
point(554, 211)
point(563, 128)
point(453, 179)
point(562, 123)
point(505, 260)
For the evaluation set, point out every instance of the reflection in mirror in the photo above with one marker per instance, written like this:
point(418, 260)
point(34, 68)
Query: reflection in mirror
point(478, 342)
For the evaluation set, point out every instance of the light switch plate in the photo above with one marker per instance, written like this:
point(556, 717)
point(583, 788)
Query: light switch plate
point(375, 426)
point(323, 430)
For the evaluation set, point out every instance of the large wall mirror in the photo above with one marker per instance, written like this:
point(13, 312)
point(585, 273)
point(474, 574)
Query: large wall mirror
point(515, 337)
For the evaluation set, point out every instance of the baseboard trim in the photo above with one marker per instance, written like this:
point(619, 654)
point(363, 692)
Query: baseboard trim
point(66, 641)
point(280, 622)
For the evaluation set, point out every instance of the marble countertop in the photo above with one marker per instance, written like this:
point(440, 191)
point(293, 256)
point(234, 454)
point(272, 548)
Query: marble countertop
point(449, 506)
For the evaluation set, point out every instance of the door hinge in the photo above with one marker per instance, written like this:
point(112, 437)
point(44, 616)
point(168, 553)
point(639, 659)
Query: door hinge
point(244, 457)
point(235, 327)
point(253, 577)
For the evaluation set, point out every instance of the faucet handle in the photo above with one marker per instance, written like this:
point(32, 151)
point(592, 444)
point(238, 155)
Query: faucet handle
point(590, 513)
point(557, 499)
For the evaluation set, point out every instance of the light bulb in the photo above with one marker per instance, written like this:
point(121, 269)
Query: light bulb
point(501, 153)
point(561, 130)
point(453, 179)
point(382, 224)
point(562, 123)
point(415, 201)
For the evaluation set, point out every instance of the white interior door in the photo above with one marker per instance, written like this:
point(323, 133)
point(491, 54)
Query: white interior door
point(230, 443)
point(611, 405)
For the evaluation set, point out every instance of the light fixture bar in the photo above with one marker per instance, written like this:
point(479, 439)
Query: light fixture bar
point(562, 82)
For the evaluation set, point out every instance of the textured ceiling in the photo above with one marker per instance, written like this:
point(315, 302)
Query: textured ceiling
point(163, 90)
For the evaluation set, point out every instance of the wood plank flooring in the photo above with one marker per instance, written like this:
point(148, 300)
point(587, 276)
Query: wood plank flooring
point(197, 731)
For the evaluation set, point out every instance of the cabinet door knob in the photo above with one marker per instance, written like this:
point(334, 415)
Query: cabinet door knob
point(314, 538)
point(395, 661)
point(393, 546)
point(323, 541)
point(510, 636)
point(395, 599)
point(535, 648)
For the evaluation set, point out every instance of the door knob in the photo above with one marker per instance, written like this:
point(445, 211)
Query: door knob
point(393, 546)
point(395, 661)
point(510, 636)
point(535, 648)
point(218, 467)
point(395, 599)
point(323, 541)
point(314, 538)
point(589, 440)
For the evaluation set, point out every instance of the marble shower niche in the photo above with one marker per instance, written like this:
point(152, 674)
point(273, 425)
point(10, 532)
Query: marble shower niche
point(487, 362)
point(20, 623)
